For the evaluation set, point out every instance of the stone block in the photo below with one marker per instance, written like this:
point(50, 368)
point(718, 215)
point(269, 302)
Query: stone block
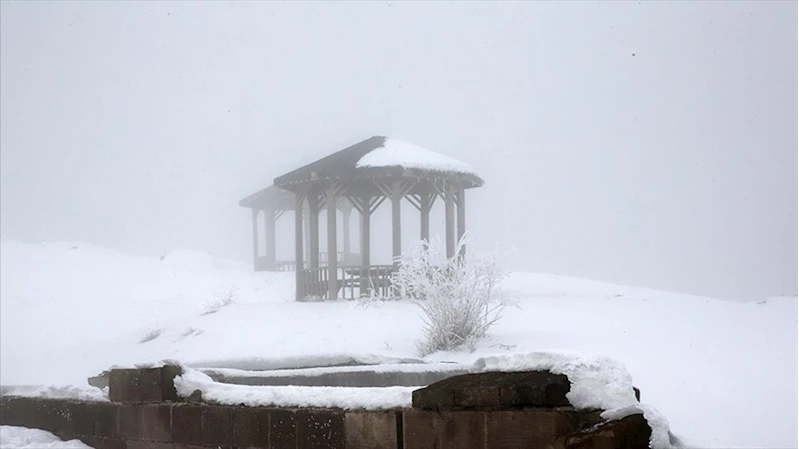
point(187, 424)
point(420, 429)
point(463, 429)
point(631, 432)
point(82, 417)
point(17, 411)
point(494, 391)
point(217, 426)
point(526, 429)
point(53, 416)
point(320, 429)
point(156, 422)
point(130, 422)
point(371, 430)
point(251, 427)
point(143, 385)
point(282, 429)
point(106, 419)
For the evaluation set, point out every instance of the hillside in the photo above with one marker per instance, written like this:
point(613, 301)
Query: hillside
point(724, 373)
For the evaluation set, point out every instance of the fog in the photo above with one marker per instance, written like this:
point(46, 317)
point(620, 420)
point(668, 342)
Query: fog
point(652, 144)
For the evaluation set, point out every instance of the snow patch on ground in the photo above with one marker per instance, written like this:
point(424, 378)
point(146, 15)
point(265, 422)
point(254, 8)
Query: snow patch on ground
point(73, 392)
point(12, 437)
point(396, 153)
point(348, 398)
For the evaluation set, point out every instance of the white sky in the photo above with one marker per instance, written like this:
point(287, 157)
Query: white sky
point(652, 144)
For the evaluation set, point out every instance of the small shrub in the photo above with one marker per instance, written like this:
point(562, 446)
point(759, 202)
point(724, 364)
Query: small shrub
point(151, 335)
point(459, 298)
point(222, 298)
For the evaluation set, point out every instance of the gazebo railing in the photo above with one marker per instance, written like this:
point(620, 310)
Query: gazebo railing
point(352, 282)
point(264, 264)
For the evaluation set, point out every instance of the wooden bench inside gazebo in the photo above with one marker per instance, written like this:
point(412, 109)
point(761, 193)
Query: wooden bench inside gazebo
point(362, 177)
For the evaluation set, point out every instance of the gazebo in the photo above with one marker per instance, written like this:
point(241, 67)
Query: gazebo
point(362, 177)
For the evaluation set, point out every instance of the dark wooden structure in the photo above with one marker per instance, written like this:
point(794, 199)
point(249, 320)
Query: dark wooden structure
point(267, 206)
point(340, 180)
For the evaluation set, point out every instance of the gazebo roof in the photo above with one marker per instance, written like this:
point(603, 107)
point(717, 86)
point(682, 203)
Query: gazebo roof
point(381, 157)
point(270, 196)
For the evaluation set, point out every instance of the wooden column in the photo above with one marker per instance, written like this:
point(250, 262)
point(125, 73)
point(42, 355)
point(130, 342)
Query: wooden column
point(346, 211)
point(269, 231)
point(449, 223)
point(313, 214)
point(461, 218)
point(298, 271)
point(425, 204)
point(331, 198)
point(360, 235)
point(307, 225)
point(255, 239)
point(366, 236)
point(396, 221)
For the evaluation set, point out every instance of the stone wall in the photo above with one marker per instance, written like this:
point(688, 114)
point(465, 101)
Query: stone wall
point(476, 411)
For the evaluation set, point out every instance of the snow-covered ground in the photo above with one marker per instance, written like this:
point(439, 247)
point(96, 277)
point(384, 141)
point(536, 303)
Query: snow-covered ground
point(723, 373)
point(22, 438)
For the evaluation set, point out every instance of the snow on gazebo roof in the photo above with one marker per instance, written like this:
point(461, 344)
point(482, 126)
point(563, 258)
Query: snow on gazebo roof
point(397, 153)
point(381, 156)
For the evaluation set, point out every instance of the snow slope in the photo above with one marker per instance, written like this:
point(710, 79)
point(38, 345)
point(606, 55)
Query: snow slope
point(723, 373)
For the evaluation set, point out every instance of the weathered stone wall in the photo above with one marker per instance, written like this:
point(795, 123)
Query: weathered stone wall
point(477, 411)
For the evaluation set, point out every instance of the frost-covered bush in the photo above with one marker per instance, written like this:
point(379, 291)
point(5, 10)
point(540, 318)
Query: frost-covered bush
point(222, 298)
point(459, 298)
point(150, 335)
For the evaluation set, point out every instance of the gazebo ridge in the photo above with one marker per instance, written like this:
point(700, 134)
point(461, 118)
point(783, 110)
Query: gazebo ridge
point(359, 177)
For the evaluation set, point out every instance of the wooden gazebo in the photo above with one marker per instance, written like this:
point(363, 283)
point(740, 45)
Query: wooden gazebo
point(362, 177)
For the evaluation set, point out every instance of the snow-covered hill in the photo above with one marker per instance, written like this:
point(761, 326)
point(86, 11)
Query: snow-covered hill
point(724, 373)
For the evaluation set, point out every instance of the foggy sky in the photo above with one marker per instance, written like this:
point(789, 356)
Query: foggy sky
point(651, 144)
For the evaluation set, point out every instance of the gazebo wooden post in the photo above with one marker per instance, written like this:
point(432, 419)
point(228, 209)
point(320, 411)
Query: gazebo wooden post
point(269, 235)
point(298, 271)
point(331, 195)
point(426, 200)
point(307, 226)
point(255, 239)
point(461, 218)
point(396, 221)
point(366, 242)
point(449, 211)
point(346, 212)
point(332, 262)
point(313, 215)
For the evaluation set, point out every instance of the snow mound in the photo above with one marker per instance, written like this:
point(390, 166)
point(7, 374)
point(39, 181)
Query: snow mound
point(12, 437)
point(396, 153)
point(347, 398)
point(74, 392)
point(597, 382)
